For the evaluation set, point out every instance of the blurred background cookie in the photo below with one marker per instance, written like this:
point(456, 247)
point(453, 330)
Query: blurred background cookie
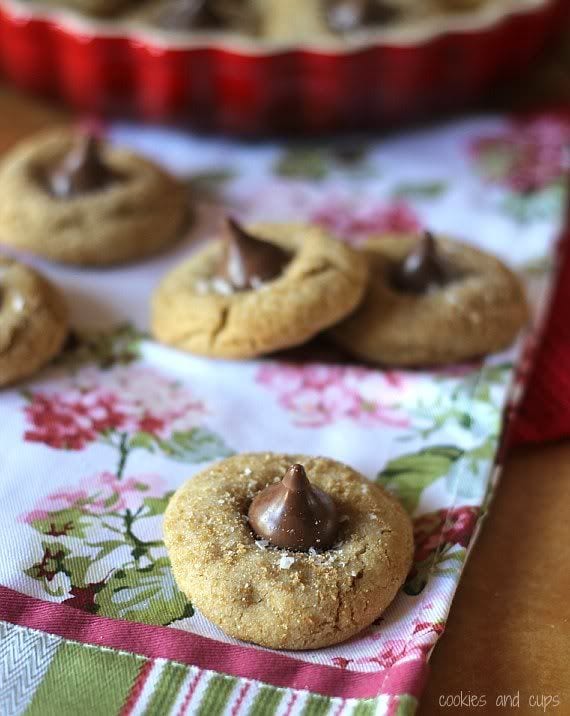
point(432, 301)
point(33, 321)
point(98, 8)
point(72, 198)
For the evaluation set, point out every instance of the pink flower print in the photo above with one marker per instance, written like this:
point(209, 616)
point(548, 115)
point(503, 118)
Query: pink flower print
point(104, 493)
point(354, 223)
point(341, 662)
point(445, 528)
point(416, 647)
point(71, 420)
point(55, 502)
point(125, 493)
point(526, 157)
point(150, 402)
point(321, 394)
point(126, 399)
point(398, 651)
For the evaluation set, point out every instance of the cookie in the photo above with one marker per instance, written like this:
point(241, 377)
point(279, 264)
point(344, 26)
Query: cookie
point(33, 321)
point(182, 16)
point(99, 8)
point(473, 306)
point(64, 197)
point(286, 598)
point(196, 308)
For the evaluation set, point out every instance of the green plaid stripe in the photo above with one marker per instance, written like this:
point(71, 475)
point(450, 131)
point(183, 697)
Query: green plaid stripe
point(266, 702)
point(87, 680)
point(407, 705)
point(216, 696)
point(165, 692)
point(365, 708)
point(44, 675)
point(317, 706)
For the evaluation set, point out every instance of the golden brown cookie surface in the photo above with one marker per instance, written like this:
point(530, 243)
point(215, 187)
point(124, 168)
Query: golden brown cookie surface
point(323, 282)
point(479, 313)
point(100, 8)
point(133, 217)
point(33, 321)
point(279, 598)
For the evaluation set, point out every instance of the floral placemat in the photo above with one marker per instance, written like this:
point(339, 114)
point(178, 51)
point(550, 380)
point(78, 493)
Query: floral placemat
point(92, 449)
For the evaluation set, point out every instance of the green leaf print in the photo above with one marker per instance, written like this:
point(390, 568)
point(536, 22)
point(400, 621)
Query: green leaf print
point(156, 505)
point(106, 547)
point(536, 206)
point(302, 163)
point(448, 562)
point(146, 441)
point(71, 521)
point(194, 446)
point(316, 163)
point(468, 477)
point(56, 560)
point(409, 475)
point(420, 190)
point(105, 348)
point(147, 595)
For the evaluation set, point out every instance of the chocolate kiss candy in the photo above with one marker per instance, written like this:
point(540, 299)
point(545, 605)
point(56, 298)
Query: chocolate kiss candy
point(248, 262)
point(186, 14)
point(293, 514)
point(81, 171)
point(345, 15)
point(423, 269)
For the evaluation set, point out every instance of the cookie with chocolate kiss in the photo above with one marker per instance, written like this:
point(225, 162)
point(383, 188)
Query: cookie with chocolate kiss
point(255, 290)
point(33, 321)
point(432, 301)
point(75, 199)
point(242, 548)
point(294, 514)
point(81, 171)
point(247, 261)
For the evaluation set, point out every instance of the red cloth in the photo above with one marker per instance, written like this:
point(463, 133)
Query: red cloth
point(545, 411)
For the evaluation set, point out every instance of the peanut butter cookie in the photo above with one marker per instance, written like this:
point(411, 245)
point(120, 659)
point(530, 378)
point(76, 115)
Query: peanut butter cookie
point(432, 302)
point(255, 292)
point(287, 551)
point(71, 199)
point(33, 321)
point(98, 8)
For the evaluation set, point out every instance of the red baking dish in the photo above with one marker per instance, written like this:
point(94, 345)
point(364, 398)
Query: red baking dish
point(250, 87)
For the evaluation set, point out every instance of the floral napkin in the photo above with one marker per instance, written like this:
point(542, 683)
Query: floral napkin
point(92, 449)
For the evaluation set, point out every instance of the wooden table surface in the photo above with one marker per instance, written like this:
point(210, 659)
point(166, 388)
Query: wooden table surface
point(509, 628)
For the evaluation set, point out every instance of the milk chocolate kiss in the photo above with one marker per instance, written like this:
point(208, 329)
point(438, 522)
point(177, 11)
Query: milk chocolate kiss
point(186, 14)
point(247, 261)
point(424, 269)
point(345, 15)
point(81, 171)
point(295, 515)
